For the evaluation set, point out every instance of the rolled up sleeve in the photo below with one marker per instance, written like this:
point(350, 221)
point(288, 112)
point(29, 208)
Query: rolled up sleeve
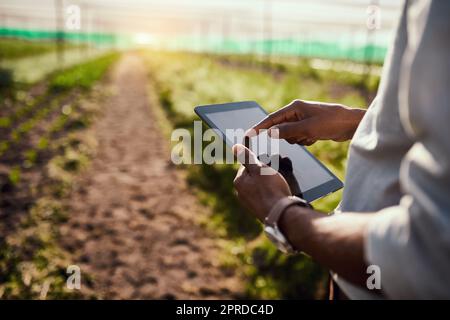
point(411, 266)
point(410, 242)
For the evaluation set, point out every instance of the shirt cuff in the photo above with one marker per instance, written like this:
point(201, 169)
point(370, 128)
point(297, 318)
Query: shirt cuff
point(386, 246)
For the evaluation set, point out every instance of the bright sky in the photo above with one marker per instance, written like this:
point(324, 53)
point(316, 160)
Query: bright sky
point(231, 18)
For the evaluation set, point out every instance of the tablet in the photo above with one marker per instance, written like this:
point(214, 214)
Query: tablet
point(310, 179)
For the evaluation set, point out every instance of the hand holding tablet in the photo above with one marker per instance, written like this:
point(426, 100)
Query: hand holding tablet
point(306, 176)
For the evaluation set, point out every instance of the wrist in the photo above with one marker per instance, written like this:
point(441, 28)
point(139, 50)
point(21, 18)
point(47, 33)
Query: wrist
point(350, 119)
point(292, 226)
point(269, 204)
point(357, 114)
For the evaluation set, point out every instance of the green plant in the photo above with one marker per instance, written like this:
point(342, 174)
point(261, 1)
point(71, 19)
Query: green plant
point(6, 78)
point(32, 262)
point(14, 48)
point(14, 175)
point(83, 75)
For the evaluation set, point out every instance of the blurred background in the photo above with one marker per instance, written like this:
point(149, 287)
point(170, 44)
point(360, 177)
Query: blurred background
point(352, 30)
point(61, 63)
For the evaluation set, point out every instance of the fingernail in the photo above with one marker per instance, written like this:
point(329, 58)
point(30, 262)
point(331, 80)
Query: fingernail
point(237, 148)
point(273, 132)
point(250, 133)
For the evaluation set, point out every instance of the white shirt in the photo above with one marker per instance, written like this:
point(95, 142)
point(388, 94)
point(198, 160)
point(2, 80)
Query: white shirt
point(399, 161)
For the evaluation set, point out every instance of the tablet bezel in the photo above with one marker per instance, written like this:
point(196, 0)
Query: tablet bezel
point(310, 195)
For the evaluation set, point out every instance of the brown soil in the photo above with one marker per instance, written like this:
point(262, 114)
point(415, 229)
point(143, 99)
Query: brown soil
point(16, 200)
point(132, 219)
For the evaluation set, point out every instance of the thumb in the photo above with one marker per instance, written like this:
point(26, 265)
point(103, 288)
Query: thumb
point(247, 158)
point(292, 130)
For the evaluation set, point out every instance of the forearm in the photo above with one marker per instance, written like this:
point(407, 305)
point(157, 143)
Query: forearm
point(350, 119)
point(336, 242)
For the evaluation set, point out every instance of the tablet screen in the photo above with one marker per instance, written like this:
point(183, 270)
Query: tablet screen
point(309, 174)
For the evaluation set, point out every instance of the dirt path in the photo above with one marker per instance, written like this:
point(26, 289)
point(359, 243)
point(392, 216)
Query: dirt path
point(130, 224)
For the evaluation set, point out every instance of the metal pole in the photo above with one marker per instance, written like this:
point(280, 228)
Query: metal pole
point(370, 42)
point(226, 21)
point(268, 30)
point(59, 32)
point(204, 38)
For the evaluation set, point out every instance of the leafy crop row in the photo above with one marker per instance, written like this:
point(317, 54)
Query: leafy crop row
point(14, 48)
point(33, 111)
point(82, 76)
point(43, 138)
